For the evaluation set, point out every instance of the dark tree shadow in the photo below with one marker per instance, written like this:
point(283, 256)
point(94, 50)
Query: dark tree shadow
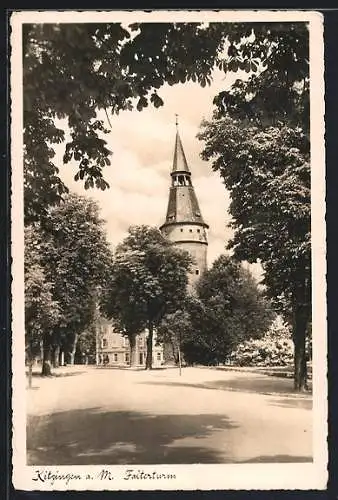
point(252, 384)
point(57, 375)
point(270, 459)
point(95, 436)
point(292, 402)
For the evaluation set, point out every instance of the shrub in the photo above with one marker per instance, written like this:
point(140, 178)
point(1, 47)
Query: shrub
point(275, 348)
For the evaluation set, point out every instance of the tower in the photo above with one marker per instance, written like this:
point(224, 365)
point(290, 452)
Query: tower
point(184, 224)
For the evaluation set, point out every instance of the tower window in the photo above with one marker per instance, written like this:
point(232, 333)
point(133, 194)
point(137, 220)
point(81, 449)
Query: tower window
point(198, 230)
point(197, 271)
point(190, 230)
point(104, 343)
point(181, 230)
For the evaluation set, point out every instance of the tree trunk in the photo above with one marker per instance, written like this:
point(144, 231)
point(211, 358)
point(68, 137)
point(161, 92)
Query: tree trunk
point(132, 345)
point(149, 358)
point(41, 351)
point(56, 356)
point(62, 358)
point(47, 357)
point(30, 365)
point(73, 351)
point(30, 373)
point(179, 360)
point(299, 337)
point(174, 348)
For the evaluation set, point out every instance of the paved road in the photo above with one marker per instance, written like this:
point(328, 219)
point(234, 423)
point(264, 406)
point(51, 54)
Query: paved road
point(109, 416)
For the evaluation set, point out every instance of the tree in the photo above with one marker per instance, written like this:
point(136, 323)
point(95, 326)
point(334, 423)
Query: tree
point(174, 329)
point(76, 258)
point(87, 343)
point(149, 279)
point(229, 309)
point(41, 310)
point(258, 141)
point(72, 71)
point(119, 304)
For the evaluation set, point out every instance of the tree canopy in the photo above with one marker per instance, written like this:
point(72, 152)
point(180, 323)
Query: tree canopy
point(42, 311)
point(148, 279)
point(72, 71)
point(228, 308)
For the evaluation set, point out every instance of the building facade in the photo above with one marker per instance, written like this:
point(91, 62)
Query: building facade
point(113, 349)
point(185, 227)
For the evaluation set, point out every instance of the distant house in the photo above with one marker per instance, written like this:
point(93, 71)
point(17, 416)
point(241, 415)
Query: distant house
point(114, 350)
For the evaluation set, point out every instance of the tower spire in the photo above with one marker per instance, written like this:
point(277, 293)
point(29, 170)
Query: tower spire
point(180, 163)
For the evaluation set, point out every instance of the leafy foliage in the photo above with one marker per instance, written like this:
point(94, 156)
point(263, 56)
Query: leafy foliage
point(75, 258)
point(230, 309)
point(227, 309)
point(148, 280)
point(174, 330)
point(72, 71)
point(275, 348)
point(41, 310)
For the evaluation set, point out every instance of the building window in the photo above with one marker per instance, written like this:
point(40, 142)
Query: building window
point(127, 357)
point(190, 230)
point(198, 230)
point(197, 271)
point(158, 356)
point(104, 342)
point(181, 230)
point(115, 356)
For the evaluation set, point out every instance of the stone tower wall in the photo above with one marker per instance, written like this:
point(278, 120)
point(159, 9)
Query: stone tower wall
point(193, 239)
point(198, 252)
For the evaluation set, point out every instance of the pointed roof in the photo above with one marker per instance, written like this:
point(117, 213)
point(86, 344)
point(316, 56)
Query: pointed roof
point(183, 205)
point(180, 162)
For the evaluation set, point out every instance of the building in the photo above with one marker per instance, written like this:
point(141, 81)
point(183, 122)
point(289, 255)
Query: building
point(113, 348)
point(184, 224)
point(185, 227)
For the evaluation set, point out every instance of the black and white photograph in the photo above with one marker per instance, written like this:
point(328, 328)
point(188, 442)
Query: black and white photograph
point(168, 243)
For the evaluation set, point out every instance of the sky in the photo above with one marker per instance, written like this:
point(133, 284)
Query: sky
point(139, 175)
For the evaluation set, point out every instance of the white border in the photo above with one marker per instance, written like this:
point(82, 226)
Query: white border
point(188, 477)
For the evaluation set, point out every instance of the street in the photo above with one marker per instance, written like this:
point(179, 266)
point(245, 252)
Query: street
point(86, 415)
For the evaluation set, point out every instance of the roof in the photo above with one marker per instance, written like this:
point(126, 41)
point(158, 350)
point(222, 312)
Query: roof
point(180, 162)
